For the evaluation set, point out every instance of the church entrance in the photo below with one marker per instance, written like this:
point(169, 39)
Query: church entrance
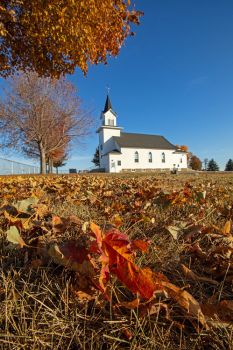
point(113, 166)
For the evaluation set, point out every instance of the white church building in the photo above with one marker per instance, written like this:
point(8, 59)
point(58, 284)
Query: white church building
point(120, 151)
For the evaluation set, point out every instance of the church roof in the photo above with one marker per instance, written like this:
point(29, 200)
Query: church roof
point(115, 151)
point(143, 141)
point(108, 105)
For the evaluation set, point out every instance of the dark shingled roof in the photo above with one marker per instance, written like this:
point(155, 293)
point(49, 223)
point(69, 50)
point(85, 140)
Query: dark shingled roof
point(108, 105)
point(115, 151)
point(143, 141)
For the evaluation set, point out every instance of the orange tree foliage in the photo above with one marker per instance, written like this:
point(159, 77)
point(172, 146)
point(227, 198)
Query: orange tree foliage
point(195, 163)
point(53, 36)
point(182, 148)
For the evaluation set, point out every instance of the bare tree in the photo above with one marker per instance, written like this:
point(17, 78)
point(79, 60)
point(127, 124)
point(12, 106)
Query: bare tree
point(42, 116)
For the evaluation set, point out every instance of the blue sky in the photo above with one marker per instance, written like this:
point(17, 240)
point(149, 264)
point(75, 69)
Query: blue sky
point(174, 78)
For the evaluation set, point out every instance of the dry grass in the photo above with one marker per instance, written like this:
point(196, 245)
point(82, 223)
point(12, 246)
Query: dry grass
point(39, 310)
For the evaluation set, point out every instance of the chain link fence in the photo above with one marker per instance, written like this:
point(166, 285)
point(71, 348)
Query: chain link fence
point(10, 167)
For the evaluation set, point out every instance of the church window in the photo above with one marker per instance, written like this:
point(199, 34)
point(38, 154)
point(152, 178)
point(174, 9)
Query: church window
point(150, 157)
point(136, 157)
point(181, 160)
point(111, 122)
point(163, 157)
point(119, 162)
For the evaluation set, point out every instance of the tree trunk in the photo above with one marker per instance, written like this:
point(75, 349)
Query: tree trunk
point(42, 159)
point(50, 166)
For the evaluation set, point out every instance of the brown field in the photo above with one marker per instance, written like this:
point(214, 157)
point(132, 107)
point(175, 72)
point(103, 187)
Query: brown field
point(187, 220)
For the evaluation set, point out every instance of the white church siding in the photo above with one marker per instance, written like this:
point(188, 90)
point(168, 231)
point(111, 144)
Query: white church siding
point(171, 159)
point(115, 163)
point(127, 159)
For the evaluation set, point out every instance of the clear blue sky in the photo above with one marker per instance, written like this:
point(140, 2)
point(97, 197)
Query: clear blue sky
point(174, 78)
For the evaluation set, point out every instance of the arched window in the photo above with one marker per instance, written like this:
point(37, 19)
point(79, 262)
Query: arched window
point(150, 157)
point(163, 157)
point(136, 157)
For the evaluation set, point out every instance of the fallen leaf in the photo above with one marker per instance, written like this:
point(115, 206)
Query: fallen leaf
point(13, 236)
point(26, 204)
point(222, 311)
point(187, 302)
point(140, 245)
point(193, 276)
point(36, 263)
point(73, 256)
point(121, 263)
point(130, 304)
point(128, 334)
point(227, 228)
point(174, 231)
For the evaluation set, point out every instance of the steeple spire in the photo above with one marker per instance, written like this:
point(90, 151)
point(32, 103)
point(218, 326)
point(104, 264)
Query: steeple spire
point(108, 105)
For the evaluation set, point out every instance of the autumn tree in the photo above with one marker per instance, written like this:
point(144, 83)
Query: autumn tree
point(212, 165)
point(229, 165)
point(60, 161)
point(182, 148)
point(195, 163)
point(57, 158)
point(42, 116)
point(96, 158)
point(54, 37)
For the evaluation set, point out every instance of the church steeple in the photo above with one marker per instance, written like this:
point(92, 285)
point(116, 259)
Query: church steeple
point(108, 116)
point(107, 130)
point(108, 105)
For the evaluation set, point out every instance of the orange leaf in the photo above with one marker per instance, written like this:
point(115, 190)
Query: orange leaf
point(97, 232)
point(227, 228)
point(121, 263)
point(127, 333)
point(140, 245)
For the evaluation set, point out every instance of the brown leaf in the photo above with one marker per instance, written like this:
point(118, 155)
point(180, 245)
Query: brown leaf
point(222, 311)
point(130, 304)
point(127, 333)
point(193, 276)
point(187, 302)
point(196, 249)
point(72, 255)
point(36, 263)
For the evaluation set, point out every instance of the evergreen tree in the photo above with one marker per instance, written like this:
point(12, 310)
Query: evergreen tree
point(229, 165)
point(212, 165)
point(96, 158)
